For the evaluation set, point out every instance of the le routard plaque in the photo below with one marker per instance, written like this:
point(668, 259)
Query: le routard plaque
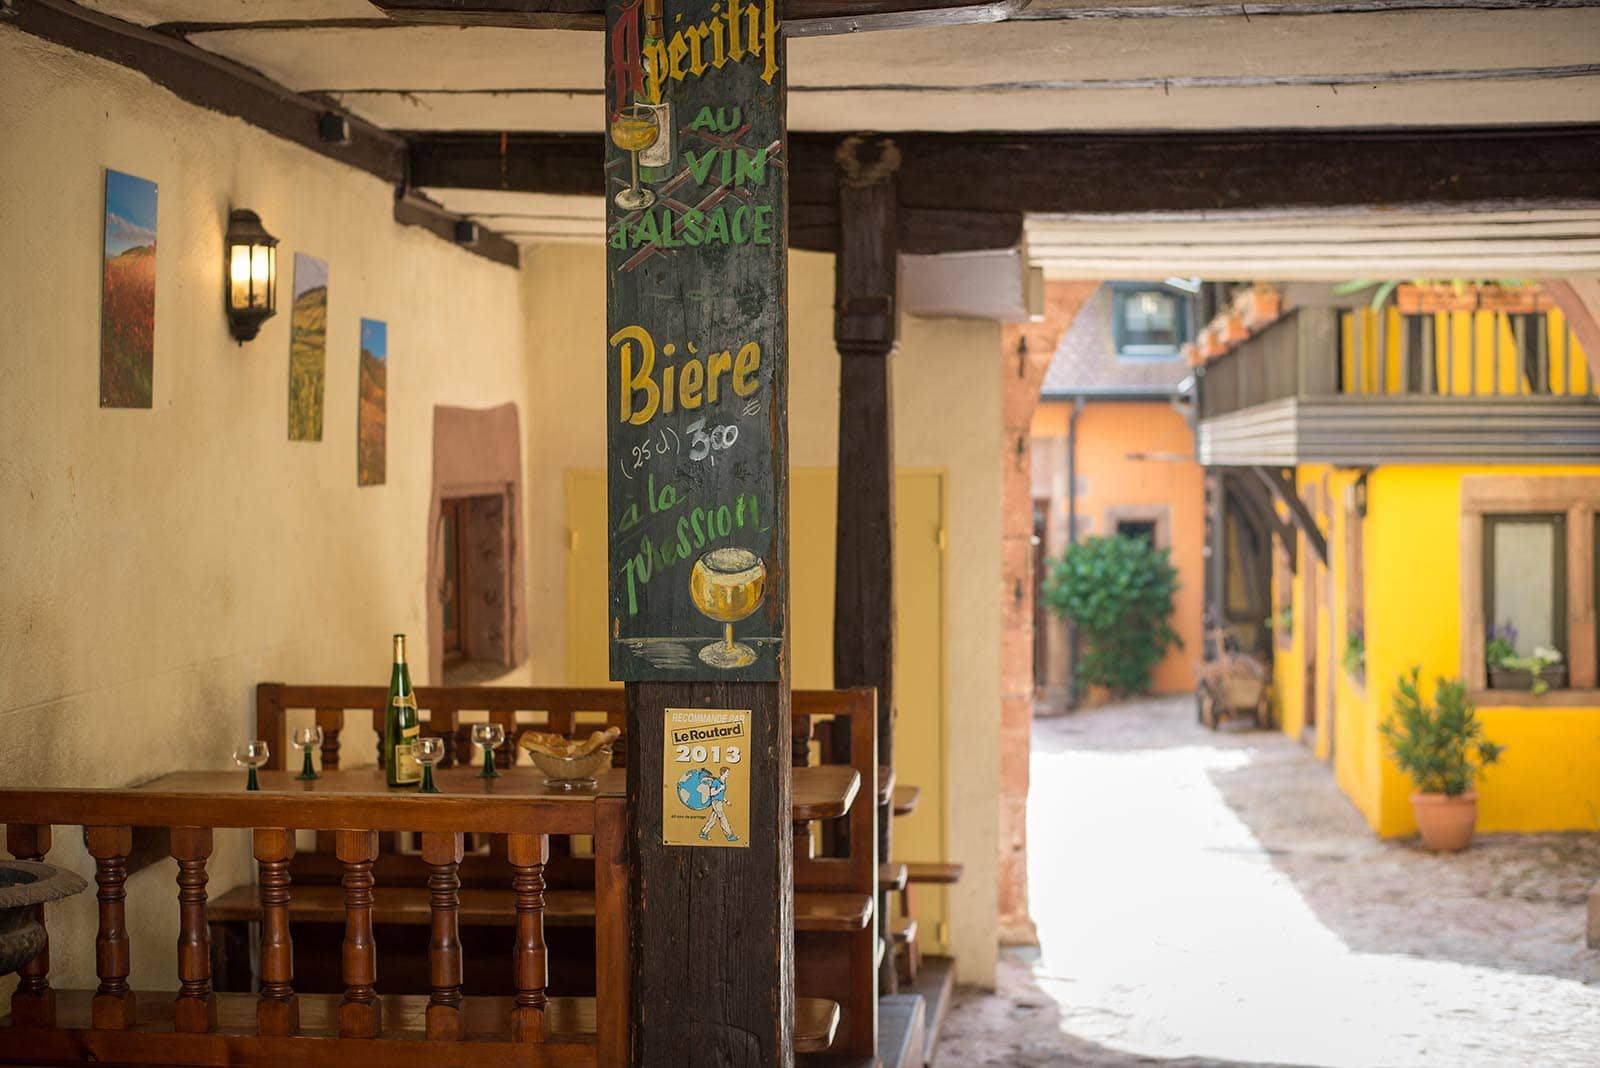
point(706, 778)
point(696, 339)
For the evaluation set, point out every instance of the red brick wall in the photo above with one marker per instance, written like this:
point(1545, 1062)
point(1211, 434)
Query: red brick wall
point(1029, 347)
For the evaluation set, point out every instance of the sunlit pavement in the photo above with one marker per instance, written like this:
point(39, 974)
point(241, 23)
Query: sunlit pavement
point(1165, 931)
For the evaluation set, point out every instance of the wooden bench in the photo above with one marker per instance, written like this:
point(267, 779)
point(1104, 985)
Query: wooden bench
point(834, 903)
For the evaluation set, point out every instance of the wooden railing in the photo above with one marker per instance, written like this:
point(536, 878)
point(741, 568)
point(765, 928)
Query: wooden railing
point(1385, 352)
point(197, 1026)
point(560, 710)
point(1323, 352)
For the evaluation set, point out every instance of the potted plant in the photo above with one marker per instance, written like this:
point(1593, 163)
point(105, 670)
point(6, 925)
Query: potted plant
point(1442, 748)
point(1355, 655)
point(1536, 673)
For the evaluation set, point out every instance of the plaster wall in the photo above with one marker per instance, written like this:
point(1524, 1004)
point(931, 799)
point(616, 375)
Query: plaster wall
point(156, 564)
point(947, 403)
point(1412, 580)
point(1135, 461)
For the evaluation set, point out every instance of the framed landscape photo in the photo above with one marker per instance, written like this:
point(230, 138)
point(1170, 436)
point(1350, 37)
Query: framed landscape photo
point(372, 404)
point(128, 293)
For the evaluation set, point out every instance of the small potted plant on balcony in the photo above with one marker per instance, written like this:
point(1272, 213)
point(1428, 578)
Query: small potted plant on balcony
point(1537, 673)
point(1443, 750)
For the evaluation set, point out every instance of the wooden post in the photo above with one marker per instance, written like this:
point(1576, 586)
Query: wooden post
point(278, 1010)
point(360, 1012)
point(195, 1008)
point(528, 854)
point(113, 1005)
point(442, 851)
point(865, 330)
point(33, 1003)
point(696, 189)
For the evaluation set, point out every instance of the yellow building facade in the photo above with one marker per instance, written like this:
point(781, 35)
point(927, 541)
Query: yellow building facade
point(1404, 585)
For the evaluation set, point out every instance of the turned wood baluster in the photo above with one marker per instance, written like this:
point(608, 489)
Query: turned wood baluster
point(33, 1003)
point(331, 720)
point(528, 854)
point(506, 755)
point(195, 1008)
point(378, 717)
point(443, 724)
point(113, 1006)
point(442, 851)
point(360, 1013)
point(278, 1010)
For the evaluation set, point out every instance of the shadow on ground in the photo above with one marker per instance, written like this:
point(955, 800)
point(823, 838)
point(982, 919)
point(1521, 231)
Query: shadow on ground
point(1018, 1025)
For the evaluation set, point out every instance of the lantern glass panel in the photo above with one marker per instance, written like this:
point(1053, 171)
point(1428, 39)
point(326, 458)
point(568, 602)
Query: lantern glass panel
point(239, 277)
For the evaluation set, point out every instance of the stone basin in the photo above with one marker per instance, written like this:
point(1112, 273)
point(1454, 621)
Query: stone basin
point(24, 884)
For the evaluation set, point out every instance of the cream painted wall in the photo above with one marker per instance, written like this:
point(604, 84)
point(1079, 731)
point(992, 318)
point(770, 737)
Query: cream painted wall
point(947, 397)
point(156, 564)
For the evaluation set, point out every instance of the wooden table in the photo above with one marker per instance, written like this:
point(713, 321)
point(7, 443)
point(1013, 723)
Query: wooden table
point(359, 798)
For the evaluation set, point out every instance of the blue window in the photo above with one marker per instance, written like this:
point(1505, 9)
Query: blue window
point(1149, 322)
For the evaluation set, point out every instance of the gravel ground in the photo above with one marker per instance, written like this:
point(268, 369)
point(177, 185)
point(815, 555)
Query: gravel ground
point(1213, 899)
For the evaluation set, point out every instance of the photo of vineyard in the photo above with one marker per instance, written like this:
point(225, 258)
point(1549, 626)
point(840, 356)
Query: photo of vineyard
point(128, 294)
point(372, 404)
point(308, 348)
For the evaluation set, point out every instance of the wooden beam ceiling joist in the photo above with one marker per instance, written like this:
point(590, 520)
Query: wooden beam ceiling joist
point(1282, 486)
point(210, 81)
point(1254, 497)
point(801, 18)
point(1268, 171)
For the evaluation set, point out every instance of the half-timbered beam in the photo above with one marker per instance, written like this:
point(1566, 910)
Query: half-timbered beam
point(1281, 483)
point(988, 174)
point(210, 81)
point(1256, 498)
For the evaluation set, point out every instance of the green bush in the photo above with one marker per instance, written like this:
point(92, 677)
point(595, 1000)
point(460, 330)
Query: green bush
point(1119, 592)
point(1436, 745)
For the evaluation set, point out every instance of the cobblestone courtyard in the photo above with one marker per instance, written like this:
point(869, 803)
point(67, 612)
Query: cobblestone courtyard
point(1213, 899)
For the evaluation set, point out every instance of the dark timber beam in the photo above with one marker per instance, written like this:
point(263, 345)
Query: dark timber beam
point(990, 176)
point(210, 81)
point(1281, 483)
point(803, 18)
point(866, 329)
point(1256, 498)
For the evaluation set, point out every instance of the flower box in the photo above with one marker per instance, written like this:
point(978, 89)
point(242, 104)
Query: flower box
point(1554, 677)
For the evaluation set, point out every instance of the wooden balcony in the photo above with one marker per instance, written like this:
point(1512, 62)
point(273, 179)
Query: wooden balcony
point(1360, 387)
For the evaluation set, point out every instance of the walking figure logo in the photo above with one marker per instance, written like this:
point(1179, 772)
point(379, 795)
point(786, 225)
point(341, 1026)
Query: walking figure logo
point(700, 791)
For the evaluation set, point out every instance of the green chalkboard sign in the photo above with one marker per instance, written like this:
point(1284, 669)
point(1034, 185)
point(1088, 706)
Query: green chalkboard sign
point(696, 338)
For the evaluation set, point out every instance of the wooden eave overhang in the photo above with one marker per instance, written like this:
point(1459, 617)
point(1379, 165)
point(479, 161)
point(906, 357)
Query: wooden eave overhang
point(1367, 431)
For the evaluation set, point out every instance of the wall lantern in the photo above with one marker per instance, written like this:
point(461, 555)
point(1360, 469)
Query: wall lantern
point(251, 292)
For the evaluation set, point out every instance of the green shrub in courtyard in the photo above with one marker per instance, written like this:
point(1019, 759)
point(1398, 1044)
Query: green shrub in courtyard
point(1119, 591)
point(1441, 747)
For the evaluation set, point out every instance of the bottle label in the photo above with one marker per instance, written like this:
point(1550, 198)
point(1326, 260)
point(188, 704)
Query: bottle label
point(406, 768)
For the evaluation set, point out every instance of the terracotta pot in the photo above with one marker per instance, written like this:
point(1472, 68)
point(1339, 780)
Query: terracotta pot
point(1446, 822)
point(1413, 299)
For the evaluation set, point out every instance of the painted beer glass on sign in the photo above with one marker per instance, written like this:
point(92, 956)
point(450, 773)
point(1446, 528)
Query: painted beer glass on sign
point(695, 360)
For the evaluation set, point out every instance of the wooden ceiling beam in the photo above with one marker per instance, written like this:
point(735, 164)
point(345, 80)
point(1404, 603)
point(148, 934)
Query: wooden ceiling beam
point(801, 18)
point(221, 85)
point(1117, 173)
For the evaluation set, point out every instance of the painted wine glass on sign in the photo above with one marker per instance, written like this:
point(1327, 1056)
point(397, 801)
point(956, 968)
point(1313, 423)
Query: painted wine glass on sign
point(728, 584)
point(634, 129)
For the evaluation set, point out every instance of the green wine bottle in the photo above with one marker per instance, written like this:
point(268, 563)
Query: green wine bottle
point(400, 724)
